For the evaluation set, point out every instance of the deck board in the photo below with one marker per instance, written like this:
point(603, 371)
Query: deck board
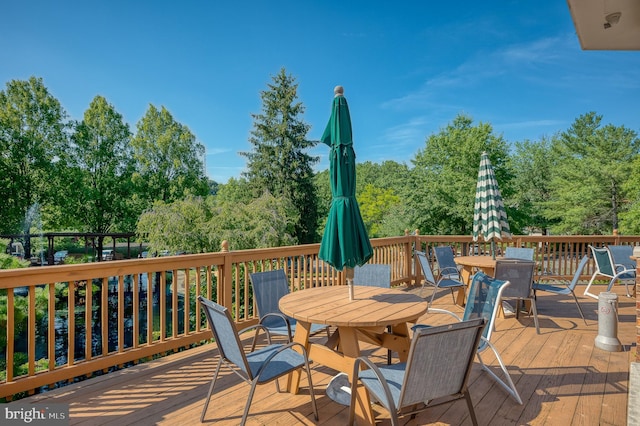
point(561, 376)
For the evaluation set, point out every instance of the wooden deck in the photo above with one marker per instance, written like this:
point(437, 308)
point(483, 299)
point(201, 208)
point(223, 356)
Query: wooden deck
point(562, 378)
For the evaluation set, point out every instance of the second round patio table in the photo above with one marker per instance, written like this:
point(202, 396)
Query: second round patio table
point(486, 264)
point(365, 318)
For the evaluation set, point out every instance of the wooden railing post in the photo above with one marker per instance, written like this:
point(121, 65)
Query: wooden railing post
point(226, 280)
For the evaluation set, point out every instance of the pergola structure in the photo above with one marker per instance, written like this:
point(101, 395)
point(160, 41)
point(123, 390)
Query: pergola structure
point(91, 239)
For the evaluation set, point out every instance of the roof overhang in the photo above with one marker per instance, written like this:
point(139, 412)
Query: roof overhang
point(607, 24)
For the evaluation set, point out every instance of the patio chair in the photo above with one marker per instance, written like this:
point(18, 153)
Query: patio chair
point(569, 288)
point(373, 275)
point(519, 253)
point(607, 268)
point(484, 298)
point(268, 288)
point(257, 367)
point(447, 267)
point(439, 364)
point(430, 280)
point(520, 273)
point(622, 259)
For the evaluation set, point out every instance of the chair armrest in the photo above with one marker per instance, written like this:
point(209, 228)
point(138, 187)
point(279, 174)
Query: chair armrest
point(254, 326)
point(446, 269)
point(257, 327)
point(376, 370)
point(280, 316)
point(443, 311)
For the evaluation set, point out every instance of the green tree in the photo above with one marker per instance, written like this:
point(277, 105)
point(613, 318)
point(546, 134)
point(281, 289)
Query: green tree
point(200, 224)
point(32, 137)
point(180, 225)
point(169, 160)
point(375, 205)
point(630, 219)
point(101, 161)
point(593, 163)
point(266, 221)
point(381, 191)
point(279, 162)
point(532, 163)
point(446, 172)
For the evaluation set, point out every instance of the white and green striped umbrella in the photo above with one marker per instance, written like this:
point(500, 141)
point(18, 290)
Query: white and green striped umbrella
point(489, 216)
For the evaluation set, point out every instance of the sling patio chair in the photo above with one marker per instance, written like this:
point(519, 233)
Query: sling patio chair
point(520, 273)
point(556, 287)
point(374, 275)
point(438, 366)
point(606, 268)
point(256, 367)
point(447, 267)
point(484, 298)
point(268, 288)
point(430, 280)
point(622, 259)
point(524, 253)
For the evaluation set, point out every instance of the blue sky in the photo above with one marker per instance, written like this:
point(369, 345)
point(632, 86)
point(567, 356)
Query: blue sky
point(408, 68)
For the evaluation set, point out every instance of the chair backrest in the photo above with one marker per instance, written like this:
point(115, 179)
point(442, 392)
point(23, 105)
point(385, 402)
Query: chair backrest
point(426, 268)
point(604, 261)
point(440, 360)
point(225, 333)
point(622, 256)
point(372, 275)
point(444, 257)
point(268, 288)
point(519, 273)
point(519, 253)
point(483, 300)
point(576, 275)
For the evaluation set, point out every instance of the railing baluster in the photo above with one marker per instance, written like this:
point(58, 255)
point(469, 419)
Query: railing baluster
point(71, 321)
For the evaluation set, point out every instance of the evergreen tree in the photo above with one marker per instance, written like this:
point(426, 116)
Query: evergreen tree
point(593, 164)
point(279, 162)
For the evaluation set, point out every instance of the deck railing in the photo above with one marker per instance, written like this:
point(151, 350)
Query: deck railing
point(68, 321)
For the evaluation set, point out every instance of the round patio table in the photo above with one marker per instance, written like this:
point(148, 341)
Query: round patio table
point(365, 318)
point(486, 264)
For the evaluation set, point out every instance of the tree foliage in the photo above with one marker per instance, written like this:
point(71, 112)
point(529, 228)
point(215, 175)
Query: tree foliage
point(101, 165)
point(200, 224)
point(32, 137)
point(446, 172)
point(593, 163)
point(531, 163)
point(169, 160)
point(279, 162)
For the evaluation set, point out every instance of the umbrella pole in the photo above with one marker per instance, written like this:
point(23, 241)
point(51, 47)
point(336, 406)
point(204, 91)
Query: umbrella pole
point(348, 272)
point(493, 249)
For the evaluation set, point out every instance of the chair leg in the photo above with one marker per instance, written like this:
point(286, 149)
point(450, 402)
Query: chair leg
point(535, 314)
point(579, 308)
point(313, 396)
point(472, 413)
point(507, 385)
point(586, 290)
point(213, 383)
point(249, 399)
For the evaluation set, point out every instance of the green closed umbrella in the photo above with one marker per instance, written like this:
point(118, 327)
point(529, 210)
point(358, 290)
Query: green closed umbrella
point(489, 216)
point(345, 242)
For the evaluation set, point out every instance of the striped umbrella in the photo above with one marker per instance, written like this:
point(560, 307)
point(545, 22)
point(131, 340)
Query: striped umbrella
point(489, 216)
